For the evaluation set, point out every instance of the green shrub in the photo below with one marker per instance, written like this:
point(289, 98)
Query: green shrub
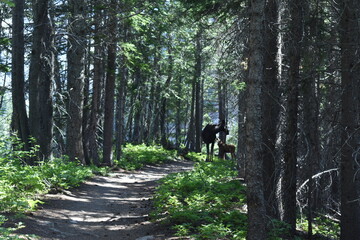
point(21, 184)
point(205, 202)
point(322, 225)
point(62, 173)
point(196, 157)
point(8, 233)
point(136, 156)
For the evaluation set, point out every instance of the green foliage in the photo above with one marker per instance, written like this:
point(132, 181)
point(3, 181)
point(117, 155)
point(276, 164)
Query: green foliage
point(278, 228)
point(21, 184)
point(61, 173)
point(196, 157)
point(209, 203)
point(206, 202)
point(136, 156)
point(8, 2)
point(322, 225)
point(7, 233)
point(5, 42)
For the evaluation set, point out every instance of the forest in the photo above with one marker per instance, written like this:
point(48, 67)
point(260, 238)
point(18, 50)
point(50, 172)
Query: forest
point(83, 82)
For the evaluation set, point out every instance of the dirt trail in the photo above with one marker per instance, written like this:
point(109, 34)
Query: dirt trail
point(111, 207)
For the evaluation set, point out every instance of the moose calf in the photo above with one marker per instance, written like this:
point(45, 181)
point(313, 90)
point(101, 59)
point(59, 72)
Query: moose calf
point(226, 148)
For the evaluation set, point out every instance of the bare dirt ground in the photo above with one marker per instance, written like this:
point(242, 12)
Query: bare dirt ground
point(110, 207)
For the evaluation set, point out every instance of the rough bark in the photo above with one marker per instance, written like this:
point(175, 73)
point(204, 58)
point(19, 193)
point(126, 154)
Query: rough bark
point(110, 88)
point(349, 166)
point(197, 80)
point(222, 111)
point(41, 76)
point(290, 143)
point(120, 110)
point(20, 124)
point(92, 145)
point(254, 165)
point(271, 109)
point(309, 85)
point(76, 75)
point(190, 144)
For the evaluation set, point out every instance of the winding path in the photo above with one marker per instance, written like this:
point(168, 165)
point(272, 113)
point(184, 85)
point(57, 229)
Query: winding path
point(111, 207)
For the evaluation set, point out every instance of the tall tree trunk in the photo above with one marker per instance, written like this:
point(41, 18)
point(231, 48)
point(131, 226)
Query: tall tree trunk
point(311, 132)
point(86, 111)
point(91, 135)
point(222, 92)
point(137, 119)
point(349, 165)
point(178, 115)
point(110, 87)
point(164, 100)
point(20, 122)
point(240, 151)
point(198, 100)
point(312, 61)
point(271, 109)
point(76, 76)
point(254, 165)
point(290, 144)
point(120, 109)
point(59, 113)
point(190, 144)
point(41, 75)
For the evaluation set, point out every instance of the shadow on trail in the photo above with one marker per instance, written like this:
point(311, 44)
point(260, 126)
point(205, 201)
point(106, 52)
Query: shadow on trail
point(114, 207)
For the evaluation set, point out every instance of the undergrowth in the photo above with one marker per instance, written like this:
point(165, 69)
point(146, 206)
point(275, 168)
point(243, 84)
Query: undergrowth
point(206, 203)
point(21, 184)
point(136, 156)
point(209, 202)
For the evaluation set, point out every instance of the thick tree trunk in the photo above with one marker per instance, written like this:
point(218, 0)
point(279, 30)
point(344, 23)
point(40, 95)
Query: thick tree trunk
point(110, 88)
point(20, 124)
point(76, 75)
point(254, 165)
point(41, 76)
point(198, 100)
point(222, 111)
point(91, 136)
point(290, 144)
point(240, 151)
point(309, 84)
point(349, 166)
point(270, 110)
point(120, 110)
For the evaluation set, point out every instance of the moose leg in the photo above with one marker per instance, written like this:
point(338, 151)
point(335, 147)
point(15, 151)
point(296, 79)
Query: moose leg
point(212, 151)
point(207, 153)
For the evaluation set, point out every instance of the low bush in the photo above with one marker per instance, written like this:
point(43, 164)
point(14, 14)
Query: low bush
point(206, 203)
point(209, 202)
point(21, 184)
point(136, 156)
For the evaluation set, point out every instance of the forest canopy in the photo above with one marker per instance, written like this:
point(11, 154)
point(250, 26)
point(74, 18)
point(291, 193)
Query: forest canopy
point(82, 78)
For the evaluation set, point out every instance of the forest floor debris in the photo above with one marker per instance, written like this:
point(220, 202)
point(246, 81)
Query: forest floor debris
point(104, 207)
